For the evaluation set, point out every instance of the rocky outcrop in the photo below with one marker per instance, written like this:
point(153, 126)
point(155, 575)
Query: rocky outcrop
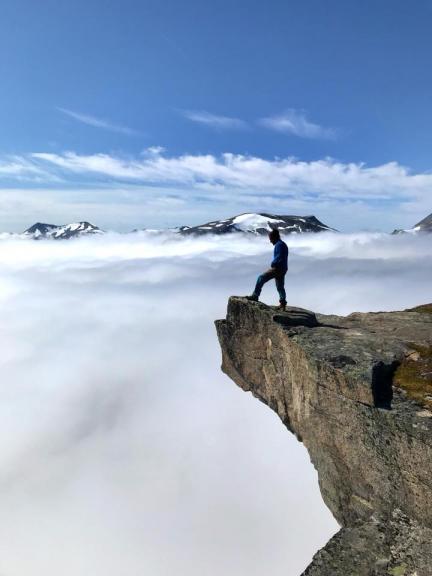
point(357, 391)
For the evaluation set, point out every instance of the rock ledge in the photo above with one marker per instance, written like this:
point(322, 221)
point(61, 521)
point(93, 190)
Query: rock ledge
point(336, 383)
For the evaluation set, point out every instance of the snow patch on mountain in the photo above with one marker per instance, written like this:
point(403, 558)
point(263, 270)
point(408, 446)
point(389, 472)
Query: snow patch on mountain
point(252, 222)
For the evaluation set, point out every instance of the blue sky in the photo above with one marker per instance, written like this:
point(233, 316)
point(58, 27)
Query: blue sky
point(314, 84)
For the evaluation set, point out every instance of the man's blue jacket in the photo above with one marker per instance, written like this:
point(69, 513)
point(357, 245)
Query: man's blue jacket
point(280, 256)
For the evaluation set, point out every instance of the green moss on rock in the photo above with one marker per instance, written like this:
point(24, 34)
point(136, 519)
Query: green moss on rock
point(398, 570)
point(423, 309)
point(414, 375)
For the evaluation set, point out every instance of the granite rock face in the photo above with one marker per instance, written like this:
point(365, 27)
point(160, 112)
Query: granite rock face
point(332, 381)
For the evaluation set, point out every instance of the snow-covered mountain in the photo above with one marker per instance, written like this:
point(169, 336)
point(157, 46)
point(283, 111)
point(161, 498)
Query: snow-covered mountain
point(41, 230)
point(259, 224)
point(424, 225)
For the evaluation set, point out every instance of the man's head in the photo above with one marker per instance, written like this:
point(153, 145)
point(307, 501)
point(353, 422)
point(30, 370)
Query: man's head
point(274, 236)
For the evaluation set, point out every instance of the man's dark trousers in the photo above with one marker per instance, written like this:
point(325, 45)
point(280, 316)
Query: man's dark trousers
point(279, 276)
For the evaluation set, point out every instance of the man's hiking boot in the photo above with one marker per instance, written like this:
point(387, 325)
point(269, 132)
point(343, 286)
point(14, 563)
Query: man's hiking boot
point(252, 297)
point(282, 306)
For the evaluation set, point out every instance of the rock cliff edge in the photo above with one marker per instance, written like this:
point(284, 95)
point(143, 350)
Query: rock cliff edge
point(357, 391)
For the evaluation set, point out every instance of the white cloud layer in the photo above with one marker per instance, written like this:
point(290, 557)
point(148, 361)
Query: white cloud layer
point(296, 122)
point(348, 195)
point(326, 178)
point(124, 449)
point(95, 122)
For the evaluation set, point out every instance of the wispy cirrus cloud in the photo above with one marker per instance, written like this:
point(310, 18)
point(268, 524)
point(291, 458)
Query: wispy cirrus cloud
point(24, 168)
point(295, 122)
point(96, 122)
point(215, 121)
point(324, 178)
point(291, 121)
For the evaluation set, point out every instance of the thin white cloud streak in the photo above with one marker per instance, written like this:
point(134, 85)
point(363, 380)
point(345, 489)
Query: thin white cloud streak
point(296, 122)
point(289, 122)
point(96, 122)
point(215, 121)
point(117, 427)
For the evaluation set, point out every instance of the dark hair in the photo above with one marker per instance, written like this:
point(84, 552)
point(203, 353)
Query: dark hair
point(274, 234)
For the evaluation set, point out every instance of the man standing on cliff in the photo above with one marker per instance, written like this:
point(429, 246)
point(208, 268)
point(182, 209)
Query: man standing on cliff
point(278, 269)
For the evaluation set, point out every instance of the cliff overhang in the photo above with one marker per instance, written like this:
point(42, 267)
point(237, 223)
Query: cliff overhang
point(342, 385)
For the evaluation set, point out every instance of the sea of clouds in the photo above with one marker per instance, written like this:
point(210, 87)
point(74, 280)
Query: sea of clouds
point(124, 449)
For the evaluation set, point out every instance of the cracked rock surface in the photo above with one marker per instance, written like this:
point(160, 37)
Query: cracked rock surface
point(331, 380)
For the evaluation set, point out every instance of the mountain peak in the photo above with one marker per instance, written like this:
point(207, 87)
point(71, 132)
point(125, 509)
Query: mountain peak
point(42, 230)
point(424, 225)
point(259, 223)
